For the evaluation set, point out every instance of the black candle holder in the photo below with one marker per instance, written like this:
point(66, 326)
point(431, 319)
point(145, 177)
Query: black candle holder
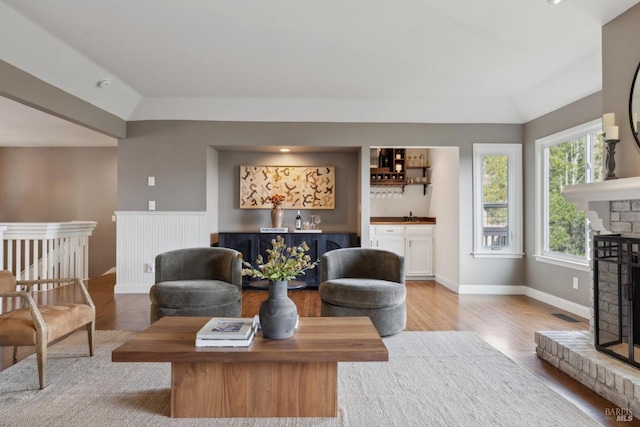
point(610, 163)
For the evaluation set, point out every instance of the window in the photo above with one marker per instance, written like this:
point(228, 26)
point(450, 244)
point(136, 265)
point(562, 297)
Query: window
point(575, 156)
point(497, 200)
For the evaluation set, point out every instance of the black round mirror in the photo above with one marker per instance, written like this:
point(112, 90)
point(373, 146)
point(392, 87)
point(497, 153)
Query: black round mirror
point(634, 105)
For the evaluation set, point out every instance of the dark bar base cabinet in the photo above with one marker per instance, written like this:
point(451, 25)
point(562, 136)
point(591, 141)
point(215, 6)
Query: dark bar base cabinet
point(252, 244)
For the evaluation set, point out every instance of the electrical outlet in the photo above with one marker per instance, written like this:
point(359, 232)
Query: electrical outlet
point(149, 267)
point(575, 283)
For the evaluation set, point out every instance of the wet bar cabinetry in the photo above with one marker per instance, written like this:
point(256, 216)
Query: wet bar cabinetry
point(414, 242)
point(253, 244)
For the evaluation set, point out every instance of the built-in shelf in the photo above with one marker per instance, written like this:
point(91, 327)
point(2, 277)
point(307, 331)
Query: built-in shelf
point(393, 170)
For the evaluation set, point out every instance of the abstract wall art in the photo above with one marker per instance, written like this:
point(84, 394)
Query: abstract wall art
point(303, 187)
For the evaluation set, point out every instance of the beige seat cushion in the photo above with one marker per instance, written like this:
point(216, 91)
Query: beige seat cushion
point(17, 328)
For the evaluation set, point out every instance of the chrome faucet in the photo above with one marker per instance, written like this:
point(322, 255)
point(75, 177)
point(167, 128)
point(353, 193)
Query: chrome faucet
point(410, 217)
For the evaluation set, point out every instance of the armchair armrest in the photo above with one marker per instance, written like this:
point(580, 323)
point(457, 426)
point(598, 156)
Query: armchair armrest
point(38, 321)
point(64, 281)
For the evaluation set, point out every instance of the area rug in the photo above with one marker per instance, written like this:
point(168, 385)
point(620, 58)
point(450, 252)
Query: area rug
point(431, 379)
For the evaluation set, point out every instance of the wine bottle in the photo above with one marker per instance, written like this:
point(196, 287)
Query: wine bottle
point(298, 221)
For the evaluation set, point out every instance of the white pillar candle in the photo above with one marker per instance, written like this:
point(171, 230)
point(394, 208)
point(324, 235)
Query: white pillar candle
point(611, 133)
point(608, 120)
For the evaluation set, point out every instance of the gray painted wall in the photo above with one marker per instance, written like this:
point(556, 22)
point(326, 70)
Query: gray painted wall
point(341, 219)
point(552, 279)
point(63, 184)
point(175, 152)
point(444, 200)
point(620, 58)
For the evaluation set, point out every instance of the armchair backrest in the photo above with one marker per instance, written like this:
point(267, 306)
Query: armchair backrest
point(365, 263)
point(7, 282)
point(200, 263)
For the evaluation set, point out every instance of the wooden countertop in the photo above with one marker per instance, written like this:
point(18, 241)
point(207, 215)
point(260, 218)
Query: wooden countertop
point(382, 220)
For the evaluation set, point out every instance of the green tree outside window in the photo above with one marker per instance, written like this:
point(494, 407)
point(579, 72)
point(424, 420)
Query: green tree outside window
point(569, 163)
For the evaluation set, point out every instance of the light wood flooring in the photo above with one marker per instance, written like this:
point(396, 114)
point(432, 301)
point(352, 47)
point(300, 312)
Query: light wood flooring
point(506, 322)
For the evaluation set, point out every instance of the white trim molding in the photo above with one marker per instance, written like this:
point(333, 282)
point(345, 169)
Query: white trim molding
point(541, 190)
point(581, 266)
point(561, 303)
point(491, 290)
point(566, 305)
point(513, 247)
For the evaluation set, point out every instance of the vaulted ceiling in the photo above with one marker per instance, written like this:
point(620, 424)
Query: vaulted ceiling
point(462, 61)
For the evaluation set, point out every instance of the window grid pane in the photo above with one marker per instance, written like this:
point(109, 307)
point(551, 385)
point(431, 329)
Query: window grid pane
point(495, 196)
point(572, 162)
point(598, 151)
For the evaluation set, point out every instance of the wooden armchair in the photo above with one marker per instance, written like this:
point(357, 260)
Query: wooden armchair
point(39, 325)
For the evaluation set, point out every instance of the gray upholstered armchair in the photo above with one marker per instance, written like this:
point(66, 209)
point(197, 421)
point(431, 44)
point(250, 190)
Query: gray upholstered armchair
point(365, 282)
point(197, 282)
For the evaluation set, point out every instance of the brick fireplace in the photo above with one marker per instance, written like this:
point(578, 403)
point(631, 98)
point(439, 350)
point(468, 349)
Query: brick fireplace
point(616, 296)
point(612, 207)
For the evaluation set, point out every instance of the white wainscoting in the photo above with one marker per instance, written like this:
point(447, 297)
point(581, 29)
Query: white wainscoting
point(143, 235)
point(2, 230)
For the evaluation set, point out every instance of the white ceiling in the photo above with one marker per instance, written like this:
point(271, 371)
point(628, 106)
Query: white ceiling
point(457, 61)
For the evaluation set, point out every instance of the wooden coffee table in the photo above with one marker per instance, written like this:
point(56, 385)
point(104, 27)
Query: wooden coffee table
point(297, 377)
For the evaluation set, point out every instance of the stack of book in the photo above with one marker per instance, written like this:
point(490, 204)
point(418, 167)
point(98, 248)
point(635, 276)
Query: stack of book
point(227, 332)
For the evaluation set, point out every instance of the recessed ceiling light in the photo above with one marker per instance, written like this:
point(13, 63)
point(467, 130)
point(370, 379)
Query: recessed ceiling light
point(554, 2)
point(284, 150)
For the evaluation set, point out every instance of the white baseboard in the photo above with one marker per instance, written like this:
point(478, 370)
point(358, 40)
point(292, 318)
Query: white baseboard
point(561, 303)
point(419, 277)
point(566, 305)
point(447, 283)
point(132, 289)
point(490, 290)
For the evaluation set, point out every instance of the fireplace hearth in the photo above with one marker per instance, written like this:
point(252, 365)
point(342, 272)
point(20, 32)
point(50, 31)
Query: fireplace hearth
point(611, 206)
point(616, 287)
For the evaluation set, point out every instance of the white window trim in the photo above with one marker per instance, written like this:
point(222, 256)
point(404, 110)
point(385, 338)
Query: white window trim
point(541, 144)
point(514, 156)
